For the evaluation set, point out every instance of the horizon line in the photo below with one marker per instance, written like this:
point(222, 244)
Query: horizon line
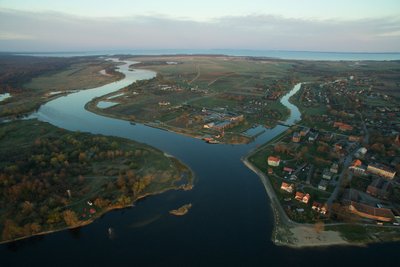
point(200, 49)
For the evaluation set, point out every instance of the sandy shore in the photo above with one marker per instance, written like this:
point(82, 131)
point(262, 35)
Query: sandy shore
point(292, 234)
point(302, 236)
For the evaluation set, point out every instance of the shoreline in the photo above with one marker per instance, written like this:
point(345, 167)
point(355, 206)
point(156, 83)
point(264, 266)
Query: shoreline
point(295, 235)
point(289, 233)
point(184, 187)
point(92, 108)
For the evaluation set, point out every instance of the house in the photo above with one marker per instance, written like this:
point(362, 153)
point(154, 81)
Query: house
point(326, 174)
point(334, 168)
point(342, 126)
point(353, 138)
point(337, 147)
point(299, 196)
point(356, 167)
point(209, 125)
point(313, 137)
point(164, 103)
point(296, 137)
point(379, 188)
point(323, 185)
point(237, 118)
point(302, 197)
point(273, 161)
point(304, 131)
point(345, 127)
point(381, 170)
point(287, 169)
point(361, 152)
point(319, 207)
point(287, 187)
point(370, 212)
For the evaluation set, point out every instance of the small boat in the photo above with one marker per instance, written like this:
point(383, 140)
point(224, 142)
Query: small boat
point(213, 142)
point(111, 233)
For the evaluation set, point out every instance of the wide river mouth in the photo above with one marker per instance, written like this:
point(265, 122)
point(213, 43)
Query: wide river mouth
point(230, 222)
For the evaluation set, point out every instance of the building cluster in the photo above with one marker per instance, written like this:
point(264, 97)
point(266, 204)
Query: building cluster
point(220, 121)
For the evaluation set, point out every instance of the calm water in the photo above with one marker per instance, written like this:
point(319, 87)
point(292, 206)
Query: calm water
point(299, 55)
point(230, 223)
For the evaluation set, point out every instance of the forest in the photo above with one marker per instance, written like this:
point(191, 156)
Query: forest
point(58, 179)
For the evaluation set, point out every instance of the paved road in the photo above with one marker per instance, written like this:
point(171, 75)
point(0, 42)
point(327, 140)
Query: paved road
point(346, 163)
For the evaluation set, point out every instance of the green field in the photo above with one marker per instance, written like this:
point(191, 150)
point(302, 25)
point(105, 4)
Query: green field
point(77, 76)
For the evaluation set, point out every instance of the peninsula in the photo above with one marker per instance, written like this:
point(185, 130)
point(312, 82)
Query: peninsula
point(59, 179)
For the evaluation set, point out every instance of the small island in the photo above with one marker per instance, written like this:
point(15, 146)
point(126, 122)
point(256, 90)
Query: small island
point(182, 210)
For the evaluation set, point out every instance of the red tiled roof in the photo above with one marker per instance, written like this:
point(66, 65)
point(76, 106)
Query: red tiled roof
point(272, 158)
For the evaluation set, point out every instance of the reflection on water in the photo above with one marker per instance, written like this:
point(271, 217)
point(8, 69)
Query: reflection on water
point(146, 221)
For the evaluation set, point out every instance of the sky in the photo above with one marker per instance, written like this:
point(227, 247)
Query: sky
point(305, 25)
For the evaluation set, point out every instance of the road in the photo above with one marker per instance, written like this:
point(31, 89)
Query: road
point(346, 163)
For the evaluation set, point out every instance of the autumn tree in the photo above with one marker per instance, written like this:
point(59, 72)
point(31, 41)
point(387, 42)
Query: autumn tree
point(70, 218)
point(11, 230)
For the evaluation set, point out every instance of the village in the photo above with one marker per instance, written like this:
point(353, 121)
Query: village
point(336, 166)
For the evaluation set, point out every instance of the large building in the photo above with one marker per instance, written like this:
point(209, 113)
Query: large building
point(381, 170)
point(369, 212)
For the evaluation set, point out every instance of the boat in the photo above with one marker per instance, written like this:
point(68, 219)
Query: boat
point(213, 141)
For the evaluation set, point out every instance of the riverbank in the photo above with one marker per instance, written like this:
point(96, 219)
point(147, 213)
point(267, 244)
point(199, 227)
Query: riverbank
point(289, 233)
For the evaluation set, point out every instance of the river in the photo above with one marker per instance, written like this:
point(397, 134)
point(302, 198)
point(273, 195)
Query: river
point(229, 224)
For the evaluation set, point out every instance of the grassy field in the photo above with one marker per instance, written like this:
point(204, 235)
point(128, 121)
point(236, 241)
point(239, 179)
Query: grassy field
point(80, 75)
point(234, 85)
point(366, 234)
point(220, 74)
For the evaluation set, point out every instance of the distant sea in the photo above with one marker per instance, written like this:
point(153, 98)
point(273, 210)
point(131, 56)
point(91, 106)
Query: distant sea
point(296, 55)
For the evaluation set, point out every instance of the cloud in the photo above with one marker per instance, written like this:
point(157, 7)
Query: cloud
point(15, 36)
point(61, 32)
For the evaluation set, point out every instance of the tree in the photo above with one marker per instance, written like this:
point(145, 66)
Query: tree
point(27, 208)
point(82, 156)
point(11, 230)
point(101, 203)
point(70, 218)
